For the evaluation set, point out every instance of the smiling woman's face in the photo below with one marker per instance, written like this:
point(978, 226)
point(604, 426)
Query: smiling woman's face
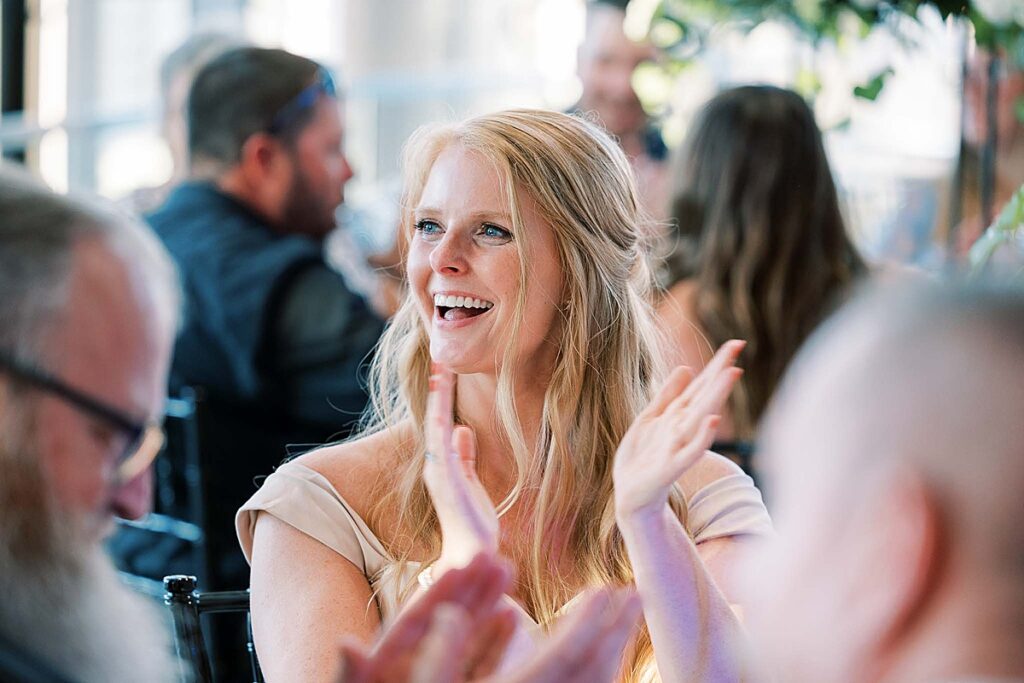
point(464, 268)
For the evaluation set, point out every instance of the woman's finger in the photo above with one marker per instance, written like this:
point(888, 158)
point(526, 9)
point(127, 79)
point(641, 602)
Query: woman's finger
point(464, 443)
point(439, 411)
point(709, 402)
point(355, 665)
point(726, 356)
point(493, 585)
point(686, 456)
point(490, 641)
point(580, 629)
point(672, 387)
point(441, 654)
point(620, 628)
point(410, 625)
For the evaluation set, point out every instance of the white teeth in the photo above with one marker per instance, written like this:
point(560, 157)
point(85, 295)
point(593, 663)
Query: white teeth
point(451, 301)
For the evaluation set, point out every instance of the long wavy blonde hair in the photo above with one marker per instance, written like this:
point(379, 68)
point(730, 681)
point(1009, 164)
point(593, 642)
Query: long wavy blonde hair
point(584, 189)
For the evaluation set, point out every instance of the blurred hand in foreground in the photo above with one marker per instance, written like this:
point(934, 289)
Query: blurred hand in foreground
point(457, 632)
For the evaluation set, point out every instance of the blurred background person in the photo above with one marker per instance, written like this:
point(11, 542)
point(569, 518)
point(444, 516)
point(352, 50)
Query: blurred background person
point(1009, 152)
point(176, 73)
point(758, 249)
point(273, 338)
point(607, 58)
point(893, 454)
point(90, 306)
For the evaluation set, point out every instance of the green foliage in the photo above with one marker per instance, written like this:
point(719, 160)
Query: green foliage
point(1006, 228)
point(871, 89)
point(681, 27)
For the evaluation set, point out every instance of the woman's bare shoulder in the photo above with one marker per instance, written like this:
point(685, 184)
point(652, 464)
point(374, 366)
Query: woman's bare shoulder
point(356, 468)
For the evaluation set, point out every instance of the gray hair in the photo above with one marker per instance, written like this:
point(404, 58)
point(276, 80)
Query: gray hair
point(38, 233)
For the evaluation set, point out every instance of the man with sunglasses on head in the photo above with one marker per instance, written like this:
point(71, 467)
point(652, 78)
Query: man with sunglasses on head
point(272, 335)
point(88, 311)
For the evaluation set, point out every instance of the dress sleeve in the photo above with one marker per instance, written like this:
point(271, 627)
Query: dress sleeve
point(729, 506)
point(303, 498)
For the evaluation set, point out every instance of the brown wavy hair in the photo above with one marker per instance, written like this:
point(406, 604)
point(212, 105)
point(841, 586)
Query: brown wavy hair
point(756, 225)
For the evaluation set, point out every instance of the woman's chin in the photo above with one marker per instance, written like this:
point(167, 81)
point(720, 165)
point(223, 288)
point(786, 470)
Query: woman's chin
point(462, 360)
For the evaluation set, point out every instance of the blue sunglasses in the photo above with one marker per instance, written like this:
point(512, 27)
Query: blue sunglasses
point(302, 102)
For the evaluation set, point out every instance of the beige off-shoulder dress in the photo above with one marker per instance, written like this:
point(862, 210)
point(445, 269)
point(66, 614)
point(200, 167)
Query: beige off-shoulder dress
point(304, 499)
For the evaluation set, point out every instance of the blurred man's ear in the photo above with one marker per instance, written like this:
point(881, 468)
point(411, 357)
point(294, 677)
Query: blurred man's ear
point(898, 555)
point(263, 159)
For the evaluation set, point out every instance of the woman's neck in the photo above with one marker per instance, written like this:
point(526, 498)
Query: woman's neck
point(476, 406)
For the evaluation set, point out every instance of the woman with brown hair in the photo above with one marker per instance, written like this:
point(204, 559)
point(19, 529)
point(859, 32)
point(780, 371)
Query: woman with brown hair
point(758, 248)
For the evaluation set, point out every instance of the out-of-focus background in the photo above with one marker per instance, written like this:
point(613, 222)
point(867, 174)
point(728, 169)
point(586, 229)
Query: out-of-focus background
point(82, 102)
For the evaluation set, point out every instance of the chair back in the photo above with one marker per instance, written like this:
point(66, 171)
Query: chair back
point(172, 538)
point(187, 605)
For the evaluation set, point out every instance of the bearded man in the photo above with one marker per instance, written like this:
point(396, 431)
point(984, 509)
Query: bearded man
point(87, 320)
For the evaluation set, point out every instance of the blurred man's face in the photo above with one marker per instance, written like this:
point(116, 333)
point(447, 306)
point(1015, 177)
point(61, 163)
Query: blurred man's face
point(112, 346)
point(320, 171)
point(607, 60)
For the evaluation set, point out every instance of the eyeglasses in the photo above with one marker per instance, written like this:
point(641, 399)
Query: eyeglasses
point(305, 100)
point(144, 439)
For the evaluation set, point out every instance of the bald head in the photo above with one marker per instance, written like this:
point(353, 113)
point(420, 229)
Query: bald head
point(931, 379)
point(894, 457)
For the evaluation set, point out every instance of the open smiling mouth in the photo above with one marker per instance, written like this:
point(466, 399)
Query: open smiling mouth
point(451, 307)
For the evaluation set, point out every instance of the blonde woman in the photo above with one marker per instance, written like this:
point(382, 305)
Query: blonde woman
point(527, 283)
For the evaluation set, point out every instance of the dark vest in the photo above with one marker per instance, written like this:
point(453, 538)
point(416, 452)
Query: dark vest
point(232, 267)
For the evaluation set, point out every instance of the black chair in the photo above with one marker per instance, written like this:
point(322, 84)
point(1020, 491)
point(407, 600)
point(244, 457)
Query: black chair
point(187, 606)
point(173, 537)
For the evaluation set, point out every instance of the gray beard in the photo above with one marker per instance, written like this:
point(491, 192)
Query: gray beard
point(62, 599)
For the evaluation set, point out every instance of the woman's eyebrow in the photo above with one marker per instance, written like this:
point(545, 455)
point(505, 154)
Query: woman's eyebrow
point(499, 216)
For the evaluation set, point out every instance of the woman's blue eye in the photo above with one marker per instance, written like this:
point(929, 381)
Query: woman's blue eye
point(494, 232)
point(428, 227)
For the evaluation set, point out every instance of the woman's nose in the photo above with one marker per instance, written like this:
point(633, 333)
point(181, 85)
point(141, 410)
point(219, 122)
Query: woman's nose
point(449, 256)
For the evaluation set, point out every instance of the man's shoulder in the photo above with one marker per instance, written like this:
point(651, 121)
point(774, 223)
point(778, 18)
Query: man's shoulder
point(201, 211)
point(199, 223)
point(188, 200)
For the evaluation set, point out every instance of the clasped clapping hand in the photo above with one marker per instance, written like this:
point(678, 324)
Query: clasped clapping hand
point(457, 632)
